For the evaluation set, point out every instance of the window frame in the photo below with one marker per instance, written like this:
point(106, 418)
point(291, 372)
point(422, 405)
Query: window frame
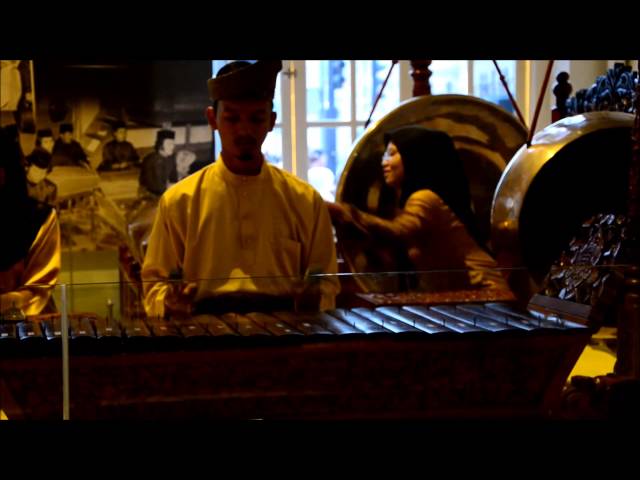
point(294, 124)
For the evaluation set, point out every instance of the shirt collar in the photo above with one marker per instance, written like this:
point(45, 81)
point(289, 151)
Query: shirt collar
point(236, 179)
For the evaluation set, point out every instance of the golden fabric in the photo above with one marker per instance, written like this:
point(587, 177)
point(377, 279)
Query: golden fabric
point(436, 240)
point(236, 233)
point(29, 283)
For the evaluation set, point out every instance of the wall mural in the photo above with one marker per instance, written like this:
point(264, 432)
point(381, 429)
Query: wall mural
point(102, 142)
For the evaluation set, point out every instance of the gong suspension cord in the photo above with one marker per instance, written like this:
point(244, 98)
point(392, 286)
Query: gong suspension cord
point(539, 104)
point(393, 64)
point(511, 99)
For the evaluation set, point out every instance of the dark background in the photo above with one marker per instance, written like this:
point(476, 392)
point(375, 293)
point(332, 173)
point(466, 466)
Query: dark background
point(147, 92)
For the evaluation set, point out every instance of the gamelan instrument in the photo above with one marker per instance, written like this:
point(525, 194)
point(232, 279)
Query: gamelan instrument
point(392, 361)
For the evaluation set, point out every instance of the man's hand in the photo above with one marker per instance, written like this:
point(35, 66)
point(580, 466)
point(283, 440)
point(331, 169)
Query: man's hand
point(309, 292)
point(179, 298)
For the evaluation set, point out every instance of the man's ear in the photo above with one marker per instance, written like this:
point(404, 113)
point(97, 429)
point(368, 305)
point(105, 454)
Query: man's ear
point(211, 117)
point(272, 123)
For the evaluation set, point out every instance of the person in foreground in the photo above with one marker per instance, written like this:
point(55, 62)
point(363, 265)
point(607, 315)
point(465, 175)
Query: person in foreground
point(30, 244)
point(239, 233)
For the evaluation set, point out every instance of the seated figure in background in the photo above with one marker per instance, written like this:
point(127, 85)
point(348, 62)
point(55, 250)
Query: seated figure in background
point(159, 167)
point(38, 165)
point(30, 246)
point(67, 151)
point(119, 153)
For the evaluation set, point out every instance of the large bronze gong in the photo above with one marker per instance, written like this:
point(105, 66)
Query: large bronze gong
point(574, 168)
point(486, 137)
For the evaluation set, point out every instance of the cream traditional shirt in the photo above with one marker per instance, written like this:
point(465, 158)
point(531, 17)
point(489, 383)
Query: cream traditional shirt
point(235, 233)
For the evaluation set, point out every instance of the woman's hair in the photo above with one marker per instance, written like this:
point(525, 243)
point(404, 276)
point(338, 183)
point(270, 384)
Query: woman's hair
point(431, 162)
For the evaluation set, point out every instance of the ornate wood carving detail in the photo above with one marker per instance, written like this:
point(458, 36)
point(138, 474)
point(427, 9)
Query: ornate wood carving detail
point(420, 73)
point(561, 90)
point(634, 170)
point(613, 91)
point(586, 272)
point(628, 358)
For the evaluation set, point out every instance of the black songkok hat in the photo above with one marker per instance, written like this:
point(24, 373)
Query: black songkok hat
point(162, 134)
point(40, 158)
point(118, 125)
point(65, 127)
point(44, 132)
point(251, 81)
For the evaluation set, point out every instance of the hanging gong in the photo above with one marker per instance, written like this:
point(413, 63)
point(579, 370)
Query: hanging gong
point(485, 136)
point(575, 168)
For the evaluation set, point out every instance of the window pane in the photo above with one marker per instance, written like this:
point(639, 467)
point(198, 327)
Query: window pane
point(216, 144)
point(328, 90)
point(277, 100)
point(370, 75)
point(329, 149)
point(272, 147)
point(449, 76)
point(487, 84)
point(217, 65)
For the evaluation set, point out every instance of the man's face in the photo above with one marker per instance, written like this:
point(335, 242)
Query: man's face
point(47, 143)
point(120, 135)
point(243, 125)
point(66, 137)
point(168, 145)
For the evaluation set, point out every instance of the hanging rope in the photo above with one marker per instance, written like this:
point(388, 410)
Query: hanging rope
point(539, 104)
point(511, 99)
point(393, 64)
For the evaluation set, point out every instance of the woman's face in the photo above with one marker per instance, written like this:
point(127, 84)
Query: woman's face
point(392, 166)
point(47, 143)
